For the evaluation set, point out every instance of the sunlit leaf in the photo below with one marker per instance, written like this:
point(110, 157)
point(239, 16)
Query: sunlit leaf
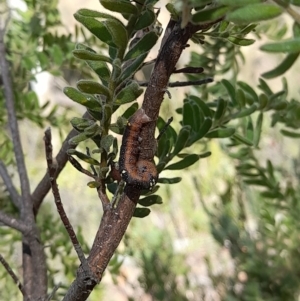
point(220, 133)
point(209, 14)
point(284, 66)
point(254, 13)
point(287, 46)
point(184, 163)
point(128, 94)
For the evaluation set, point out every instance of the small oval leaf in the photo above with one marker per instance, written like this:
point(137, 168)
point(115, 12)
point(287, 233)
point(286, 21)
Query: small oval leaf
point(150, 200)
point(86, 100)
point(130, 93)
point(254, 13)
point(141, 212)
point(209, 14)
point(287, 46)
point(184, 163)
point(143, 46)
point(169, 180)
point(92, 87)
point(221, 133)
point(120, 6)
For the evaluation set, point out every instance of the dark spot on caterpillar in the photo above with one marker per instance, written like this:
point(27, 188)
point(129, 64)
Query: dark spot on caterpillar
point(135, 169)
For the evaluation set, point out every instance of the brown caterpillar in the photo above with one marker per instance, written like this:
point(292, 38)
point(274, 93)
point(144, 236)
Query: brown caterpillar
point(134, 170)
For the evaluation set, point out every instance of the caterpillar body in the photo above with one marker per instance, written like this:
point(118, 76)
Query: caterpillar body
point(134, 170)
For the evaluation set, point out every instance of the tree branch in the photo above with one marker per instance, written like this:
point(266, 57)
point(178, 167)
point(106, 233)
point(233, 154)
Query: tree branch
point(115, 221)
point(14, 223)
point(198, 82)
point(15, 197)
point(14, 129)
point(61, 159)
point(33, 257)
point(14, 277)
point(60, 208)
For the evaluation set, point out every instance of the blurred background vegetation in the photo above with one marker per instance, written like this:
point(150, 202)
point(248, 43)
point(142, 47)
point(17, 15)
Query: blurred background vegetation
point(229, 229)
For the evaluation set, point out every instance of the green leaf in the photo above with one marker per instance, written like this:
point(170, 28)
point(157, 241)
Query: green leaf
point(107, 142)
point(249, 90)
point(203, 106)
point(263, 101)
point(99, 67)
point(163, 148)
point(249, 129)
point(133, 67)
point(86, 100)
point(264, 87)
point(141, 212)
point(182, 139)
point(220, 133)
point(187, 118)
point(92, 130)
point(209, 14)
point(257, 130)
point(221, 109)
point(290, 134)
point(110, 31)
point(92, 87)
point(295, 2)
point(130, 111)
point(92, 56)
point(83, 157)
point(150, 200)
point(230, 89)
point(128, 94)
point(184, 163)
point(169, 180)
point(175, 14)
point(257, 182)
point(237, 2)
point(245, 112)
point(240, 41)
point(120, 6)
point(143, 46)
point(81, 123)
point(87, 18)
point(146, 19)
point(254, 13)
point(204, 128)
point(119, 35)
point(287, 46)
point(79, 138)
point(284, 66)
point(242, 139)
point(271, 194)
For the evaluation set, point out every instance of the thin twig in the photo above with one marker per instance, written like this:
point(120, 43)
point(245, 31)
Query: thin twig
point(13, 223)
point(51, 295)
point(192, 70)
point(183, 84)
point(14, 277)
point(103, 198)
point(61, 158)
point(14, 129)
point(15, 197)
point(51, 169)
point(3, 29)
point(191, 83)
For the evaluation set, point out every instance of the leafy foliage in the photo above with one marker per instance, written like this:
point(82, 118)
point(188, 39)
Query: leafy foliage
point(229, 110)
